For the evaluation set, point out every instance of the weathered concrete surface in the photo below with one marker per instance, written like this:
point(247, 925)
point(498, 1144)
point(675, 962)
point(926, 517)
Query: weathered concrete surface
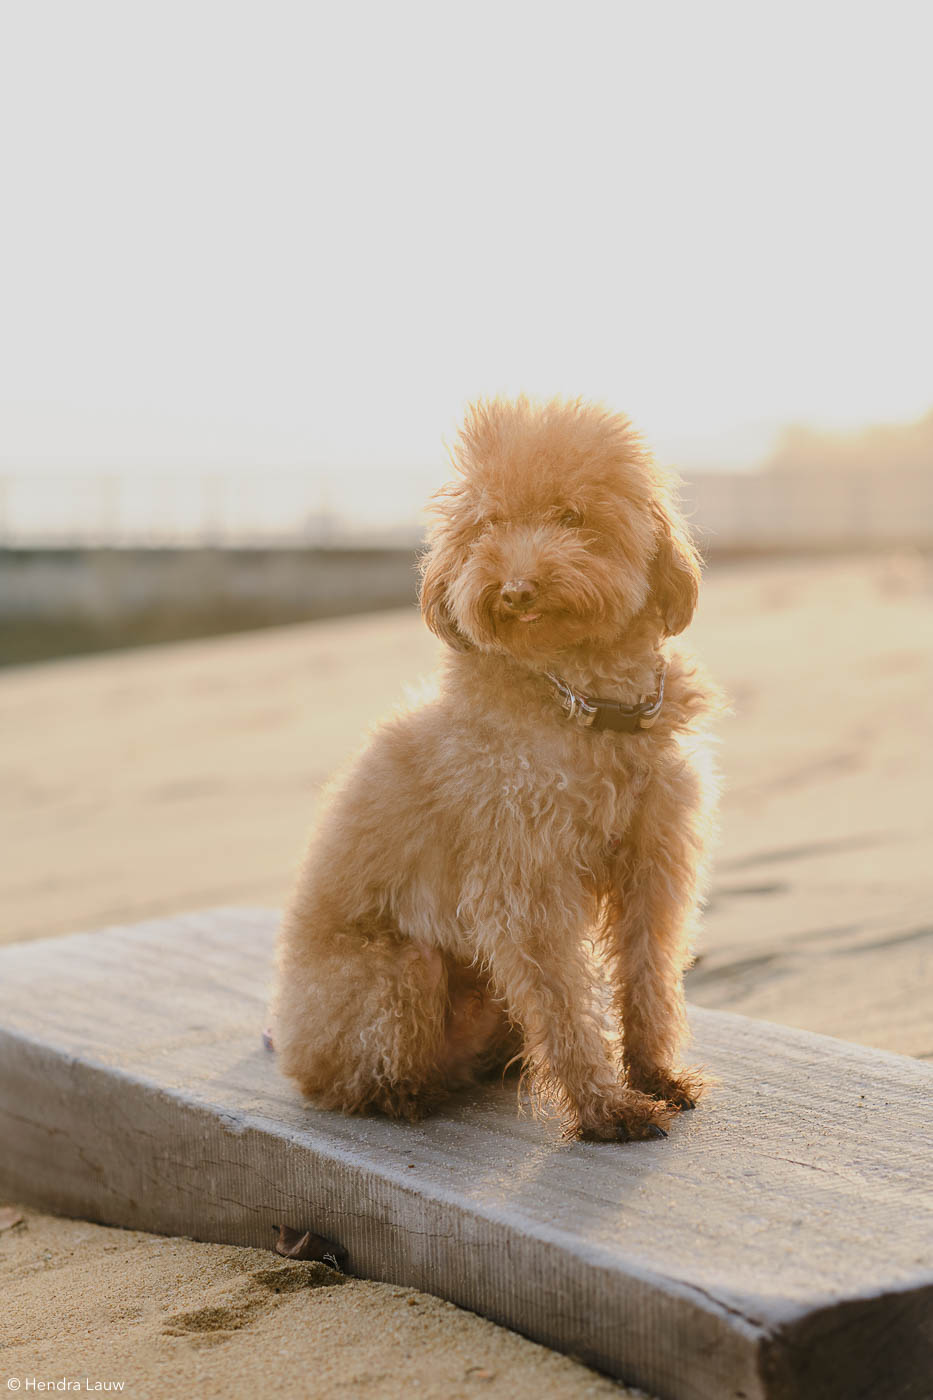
point(779, 1244)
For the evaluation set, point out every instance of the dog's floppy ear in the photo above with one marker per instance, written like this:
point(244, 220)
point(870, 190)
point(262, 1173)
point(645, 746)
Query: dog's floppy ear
point(434, 606)
point(675, 571)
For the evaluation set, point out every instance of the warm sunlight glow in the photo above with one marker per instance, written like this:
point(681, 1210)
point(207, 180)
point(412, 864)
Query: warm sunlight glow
point(277, 235)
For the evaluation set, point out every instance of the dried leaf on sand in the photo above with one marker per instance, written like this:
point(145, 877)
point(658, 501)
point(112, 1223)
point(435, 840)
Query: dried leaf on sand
point(295, 1244)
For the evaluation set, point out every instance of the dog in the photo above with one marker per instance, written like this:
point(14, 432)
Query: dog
point(512, 869)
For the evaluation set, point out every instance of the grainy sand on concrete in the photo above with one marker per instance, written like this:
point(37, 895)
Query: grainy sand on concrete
point(186, 776)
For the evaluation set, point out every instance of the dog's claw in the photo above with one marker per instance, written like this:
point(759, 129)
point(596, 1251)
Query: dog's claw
point(656, 1132)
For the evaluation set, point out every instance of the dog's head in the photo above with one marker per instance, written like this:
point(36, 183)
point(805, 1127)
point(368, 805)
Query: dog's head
point(558, 533)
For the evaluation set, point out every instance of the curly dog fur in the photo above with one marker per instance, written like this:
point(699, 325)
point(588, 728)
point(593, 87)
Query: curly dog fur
point(492, 881)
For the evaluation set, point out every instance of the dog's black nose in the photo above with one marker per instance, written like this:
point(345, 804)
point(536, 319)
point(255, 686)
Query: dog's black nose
point(519, 593)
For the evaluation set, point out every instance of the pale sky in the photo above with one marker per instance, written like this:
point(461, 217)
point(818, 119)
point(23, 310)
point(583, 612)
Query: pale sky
point(298, 235)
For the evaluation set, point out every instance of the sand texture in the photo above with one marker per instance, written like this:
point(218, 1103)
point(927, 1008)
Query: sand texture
point(186, 776)
point(173, 1318)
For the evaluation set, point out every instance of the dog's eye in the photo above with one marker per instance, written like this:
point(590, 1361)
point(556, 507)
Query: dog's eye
point(572, 519)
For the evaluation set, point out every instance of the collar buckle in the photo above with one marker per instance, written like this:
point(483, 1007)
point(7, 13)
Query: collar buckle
point(576, 707)
point(653, 707)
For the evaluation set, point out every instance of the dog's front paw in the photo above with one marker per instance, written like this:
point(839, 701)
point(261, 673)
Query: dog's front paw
point(629, 1117)
point(682, 1090)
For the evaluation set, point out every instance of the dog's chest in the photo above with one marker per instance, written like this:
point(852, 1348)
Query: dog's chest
point(580, 792)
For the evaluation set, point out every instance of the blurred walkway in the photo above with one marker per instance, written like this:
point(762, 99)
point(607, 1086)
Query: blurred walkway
point(186, 775)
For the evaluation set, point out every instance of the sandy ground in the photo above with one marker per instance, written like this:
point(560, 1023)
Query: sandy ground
point(186, 776)
point(172, 1318)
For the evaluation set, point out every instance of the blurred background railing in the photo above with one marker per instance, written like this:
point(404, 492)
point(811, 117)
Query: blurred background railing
point(101, 561)
point(772, 510)
point(794, 510)
point(204, 509)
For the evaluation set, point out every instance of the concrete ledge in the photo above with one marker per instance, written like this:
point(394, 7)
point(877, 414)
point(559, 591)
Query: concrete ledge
point(61, 602)
point(777, 1245)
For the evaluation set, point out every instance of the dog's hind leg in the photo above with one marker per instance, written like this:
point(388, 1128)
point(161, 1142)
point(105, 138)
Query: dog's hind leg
point(361, 1016)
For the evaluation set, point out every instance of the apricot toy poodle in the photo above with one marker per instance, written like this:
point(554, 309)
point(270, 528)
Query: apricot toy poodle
point(510, 871)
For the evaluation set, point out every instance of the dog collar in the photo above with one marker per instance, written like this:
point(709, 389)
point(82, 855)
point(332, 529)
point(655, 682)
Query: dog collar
point(592, 713)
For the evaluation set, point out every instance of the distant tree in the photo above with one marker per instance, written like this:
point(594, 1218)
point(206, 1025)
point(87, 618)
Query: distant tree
point(801, 448)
